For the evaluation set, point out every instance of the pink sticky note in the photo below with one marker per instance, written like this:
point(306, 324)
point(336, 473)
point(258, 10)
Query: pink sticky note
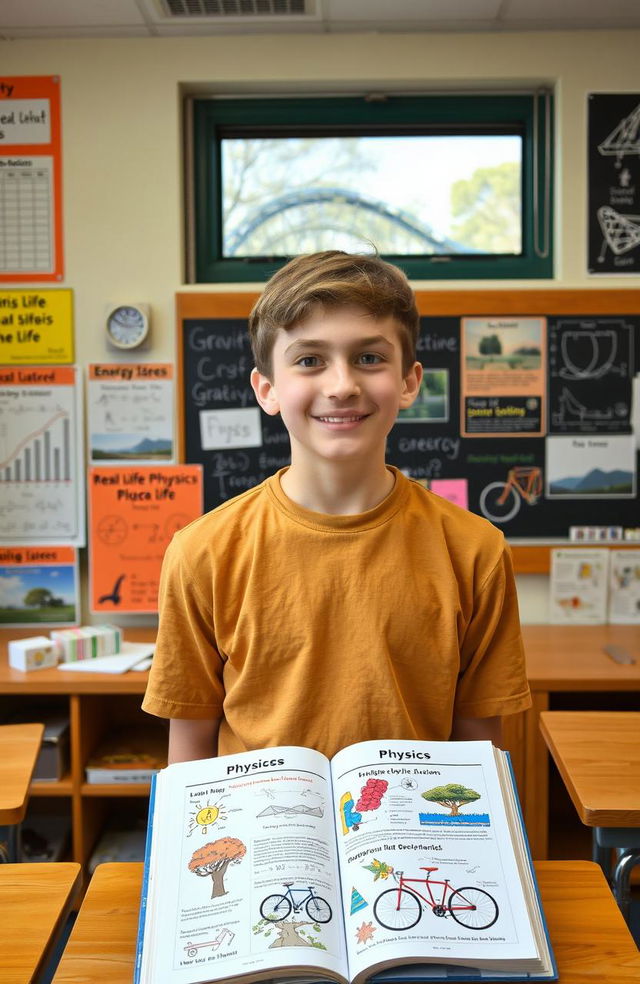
point(453, 489)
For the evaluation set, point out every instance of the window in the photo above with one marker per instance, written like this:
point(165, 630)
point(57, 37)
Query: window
point(444, 186)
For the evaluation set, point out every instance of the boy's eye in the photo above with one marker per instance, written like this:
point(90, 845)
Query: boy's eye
point(370, 359)
point(308, 361)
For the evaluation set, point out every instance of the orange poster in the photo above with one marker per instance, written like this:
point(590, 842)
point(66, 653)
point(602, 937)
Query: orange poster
point(30, 178)
point(503, 377)
point(133, 514)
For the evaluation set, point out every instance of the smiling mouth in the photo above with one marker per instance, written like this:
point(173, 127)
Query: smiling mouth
point(351, 419)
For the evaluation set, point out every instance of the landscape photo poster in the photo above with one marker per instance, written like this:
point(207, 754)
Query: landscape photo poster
point(130, 411)
point(39, 584)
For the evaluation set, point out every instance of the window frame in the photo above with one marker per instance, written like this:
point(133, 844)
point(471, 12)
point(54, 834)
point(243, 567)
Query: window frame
point(532, 113)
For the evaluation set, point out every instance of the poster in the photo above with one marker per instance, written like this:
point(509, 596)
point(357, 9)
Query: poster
point(503, 376)
point(591, 366)
point(130, 411)
point(133, 514)
point(39, 585)
point(41, 464)
point(613, 155)
point(36, 327)
point(591, 467)
point(30, 178)
point(578, 586)
point(624, 587)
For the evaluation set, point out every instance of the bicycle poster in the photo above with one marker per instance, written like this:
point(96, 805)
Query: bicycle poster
point(282, 863)
point(503, 377)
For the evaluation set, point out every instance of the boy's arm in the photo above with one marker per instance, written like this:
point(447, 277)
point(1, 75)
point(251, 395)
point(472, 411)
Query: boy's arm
point(477, 729)
point(189, 740)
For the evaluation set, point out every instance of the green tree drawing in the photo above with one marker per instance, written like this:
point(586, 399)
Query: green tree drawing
point(453, 796)
point(490, 345)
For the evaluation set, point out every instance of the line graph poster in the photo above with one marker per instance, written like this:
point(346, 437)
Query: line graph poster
point(134, 513)
point(614, 182)
point(30, 178)
point(41, 473)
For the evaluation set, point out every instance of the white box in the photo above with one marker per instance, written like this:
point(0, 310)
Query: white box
point(34, 653)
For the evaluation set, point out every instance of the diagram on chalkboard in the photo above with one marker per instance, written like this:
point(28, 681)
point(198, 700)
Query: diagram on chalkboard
point(624, 138)
point(590, 373)
point(621, 233)
point(501, 501)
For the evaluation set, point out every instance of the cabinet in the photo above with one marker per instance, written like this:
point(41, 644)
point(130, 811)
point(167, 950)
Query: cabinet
point(95, 704)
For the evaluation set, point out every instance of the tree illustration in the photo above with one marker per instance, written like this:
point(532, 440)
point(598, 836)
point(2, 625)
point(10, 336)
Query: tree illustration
point(453, 796)
point(38, 598)
point(490, 345)
point(289, 933)
point(214, 859)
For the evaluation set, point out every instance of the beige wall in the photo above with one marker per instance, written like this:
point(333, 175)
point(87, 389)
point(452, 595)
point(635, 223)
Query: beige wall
point(121, 103)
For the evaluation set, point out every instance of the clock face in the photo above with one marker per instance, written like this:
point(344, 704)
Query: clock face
point(127, 326)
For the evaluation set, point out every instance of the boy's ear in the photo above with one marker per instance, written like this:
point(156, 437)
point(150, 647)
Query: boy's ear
point(265, 393)
point(411, 385)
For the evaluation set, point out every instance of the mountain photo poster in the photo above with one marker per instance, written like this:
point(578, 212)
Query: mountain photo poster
point(131, 413)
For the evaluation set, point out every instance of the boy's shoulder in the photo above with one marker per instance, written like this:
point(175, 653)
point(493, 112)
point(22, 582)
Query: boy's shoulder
point(229, 515)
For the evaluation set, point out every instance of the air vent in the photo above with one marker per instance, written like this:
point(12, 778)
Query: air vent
point(238, 8)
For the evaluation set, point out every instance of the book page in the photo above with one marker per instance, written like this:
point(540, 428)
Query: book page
point(403, 807)
point(243, 874)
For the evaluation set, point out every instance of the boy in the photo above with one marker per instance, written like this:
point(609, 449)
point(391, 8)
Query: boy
point(338, 601)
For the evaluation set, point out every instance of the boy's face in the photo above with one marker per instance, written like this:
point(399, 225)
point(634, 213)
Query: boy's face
point(338, 383)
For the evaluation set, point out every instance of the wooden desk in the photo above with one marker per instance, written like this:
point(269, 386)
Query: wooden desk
point(588, 934)
point(598, 756)
point(19, 748)
point(563, 660)
point(35, 900)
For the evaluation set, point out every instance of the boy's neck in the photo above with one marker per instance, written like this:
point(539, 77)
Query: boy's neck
point(338, 489)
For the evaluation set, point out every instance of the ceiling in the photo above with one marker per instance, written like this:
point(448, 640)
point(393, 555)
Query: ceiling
point(20, 19)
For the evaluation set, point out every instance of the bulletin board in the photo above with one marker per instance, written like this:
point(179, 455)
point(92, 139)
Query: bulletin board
point(526, 409)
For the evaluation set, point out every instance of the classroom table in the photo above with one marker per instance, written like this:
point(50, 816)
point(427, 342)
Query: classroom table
point(598, 756)
point(564, 661)
point(589, 936)
point(19, 748)
point(35, 900)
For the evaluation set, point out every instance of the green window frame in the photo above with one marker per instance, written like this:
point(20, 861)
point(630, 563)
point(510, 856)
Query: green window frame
point(530, 115)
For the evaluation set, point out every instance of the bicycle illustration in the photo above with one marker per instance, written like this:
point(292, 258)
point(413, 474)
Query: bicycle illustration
point(400, 908)
point(275, 908)
point(500, 501)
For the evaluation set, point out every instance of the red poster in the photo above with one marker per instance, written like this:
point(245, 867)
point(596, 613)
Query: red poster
point(134, 513)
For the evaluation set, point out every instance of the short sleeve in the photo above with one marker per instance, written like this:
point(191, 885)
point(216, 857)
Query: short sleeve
point(493, 679)
point(185, 680)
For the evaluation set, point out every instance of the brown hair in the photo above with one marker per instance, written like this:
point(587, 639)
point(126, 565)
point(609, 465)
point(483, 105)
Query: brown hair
point(329, 280)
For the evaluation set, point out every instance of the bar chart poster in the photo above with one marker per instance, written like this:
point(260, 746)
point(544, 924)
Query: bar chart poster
point(30, 178)
point(41, 469)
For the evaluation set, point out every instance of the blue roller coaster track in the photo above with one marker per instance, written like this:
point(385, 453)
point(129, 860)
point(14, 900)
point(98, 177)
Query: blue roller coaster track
point(340, 196)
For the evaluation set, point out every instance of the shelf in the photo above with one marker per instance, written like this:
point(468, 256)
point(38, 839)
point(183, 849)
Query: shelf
point(115, 789)
point(54, 787)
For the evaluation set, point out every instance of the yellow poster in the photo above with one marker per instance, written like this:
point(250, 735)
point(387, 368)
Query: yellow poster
point(36, 327)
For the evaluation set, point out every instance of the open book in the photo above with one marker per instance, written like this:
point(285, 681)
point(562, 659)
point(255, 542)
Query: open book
point(398, 860)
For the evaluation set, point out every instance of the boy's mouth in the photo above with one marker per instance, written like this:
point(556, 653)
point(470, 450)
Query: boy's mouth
point(347, 418)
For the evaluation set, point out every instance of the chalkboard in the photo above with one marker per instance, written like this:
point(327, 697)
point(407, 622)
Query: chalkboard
point(614, 182)
point(534, 464)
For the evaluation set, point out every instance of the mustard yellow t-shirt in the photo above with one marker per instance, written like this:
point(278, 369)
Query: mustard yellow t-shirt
point(310, 629)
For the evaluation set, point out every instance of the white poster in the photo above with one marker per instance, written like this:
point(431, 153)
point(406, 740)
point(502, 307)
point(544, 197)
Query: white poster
point(131, 413)
point(624, 587)
point(41, 467)
point(578, 586)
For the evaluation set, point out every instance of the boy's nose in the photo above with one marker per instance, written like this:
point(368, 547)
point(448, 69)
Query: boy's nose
point(341, 382)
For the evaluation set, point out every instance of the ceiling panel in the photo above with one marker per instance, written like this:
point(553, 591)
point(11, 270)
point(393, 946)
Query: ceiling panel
point(40, 14)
